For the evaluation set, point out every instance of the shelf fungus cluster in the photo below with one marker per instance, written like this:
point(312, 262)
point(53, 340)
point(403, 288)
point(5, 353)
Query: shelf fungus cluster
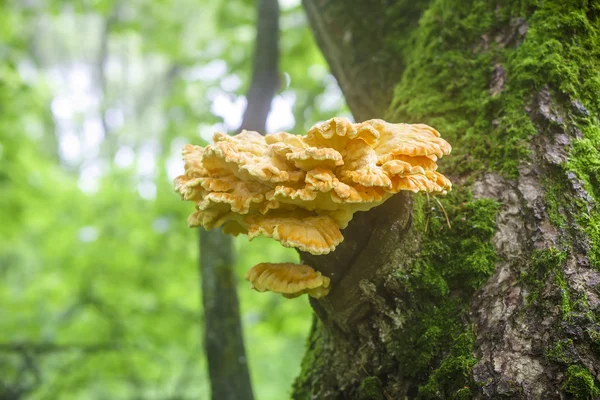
point(302, 190)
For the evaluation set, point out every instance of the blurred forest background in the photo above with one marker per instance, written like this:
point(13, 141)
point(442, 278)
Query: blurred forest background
point(100, 293)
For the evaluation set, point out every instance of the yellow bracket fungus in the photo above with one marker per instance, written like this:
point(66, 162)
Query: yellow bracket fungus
point(289, 279)
point(302, 190)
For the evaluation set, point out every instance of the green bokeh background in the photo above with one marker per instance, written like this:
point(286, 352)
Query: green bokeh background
point(99, 282)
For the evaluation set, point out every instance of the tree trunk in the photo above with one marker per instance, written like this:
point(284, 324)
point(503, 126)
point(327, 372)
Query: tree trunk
point(492, 291)
point(265, 67)
point(223, 339)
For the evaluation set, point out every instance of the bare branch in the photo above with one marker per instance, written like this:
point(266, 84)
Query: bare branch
point(265, 68)
point(38, 348)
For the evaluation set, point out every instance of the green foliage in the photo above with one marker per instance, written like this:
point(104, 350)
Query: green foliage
point(453, 263)
point(275, 327)
point(580, 383)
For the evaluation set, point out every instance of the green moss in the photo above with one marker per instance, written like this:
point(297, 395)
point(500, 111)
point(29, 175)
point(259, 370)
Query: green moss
point(566, 305)
point(555, 198)
point(561, 352)
point(572, 68)
point(463, 249)
point(542, 264)
point(451, 380)
point(370, 389)
point(548, 264)
point(580, 383)
point(584, 164)
point(461, 46)
point(572, 195)
point(449, 83)
point(594, 335)
point(451, 64)
point(453, 262)
point(310, 377)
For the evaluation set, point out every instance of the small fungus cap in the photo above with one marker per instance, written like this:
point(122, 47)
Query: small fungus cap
point(289, 279)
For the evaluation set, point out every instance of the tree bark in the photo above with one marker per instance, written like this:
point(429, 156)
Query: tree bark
point(223, 339)
point(494, 290)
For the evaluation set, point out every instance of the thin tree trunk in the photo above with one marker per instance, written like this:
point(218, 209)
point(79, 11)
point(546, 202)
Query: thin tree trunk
point(224, 343)
point(265, 67)
point(223, 338)
point(494, 290)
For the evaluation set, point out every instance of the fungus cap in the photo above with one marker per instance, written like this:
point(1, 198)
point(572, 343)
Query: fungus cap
point(301, 190)
point(315, 235)
point(289, 279)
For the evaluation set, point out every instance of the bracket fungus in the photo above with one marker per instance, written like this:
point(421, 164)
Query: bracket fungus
point(302, 190)
point(289, 279)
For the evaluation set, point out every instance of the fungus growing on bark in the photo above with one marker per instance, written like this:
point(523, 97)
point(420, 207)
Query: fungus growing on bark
point(302, 190)
point(291, 280)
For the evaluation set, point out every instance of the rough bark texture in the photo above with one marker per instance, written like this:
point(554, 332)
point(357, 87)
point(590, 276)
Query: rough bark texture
point(365, 66)
point(494, 290)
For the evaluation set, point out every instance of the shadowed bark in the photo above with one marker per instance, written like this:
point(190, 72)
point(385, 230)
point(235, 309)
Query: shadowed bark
point(493, 291)
point(365, 66)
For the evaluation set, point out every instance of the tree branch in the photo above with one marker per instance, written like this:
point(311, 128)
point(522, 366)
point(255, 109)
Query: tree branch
point(46, 348)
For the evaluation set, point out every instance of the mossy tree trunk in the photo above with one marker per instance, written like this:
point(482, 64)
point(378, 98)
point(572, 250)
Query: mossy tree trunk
point(492, 291)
